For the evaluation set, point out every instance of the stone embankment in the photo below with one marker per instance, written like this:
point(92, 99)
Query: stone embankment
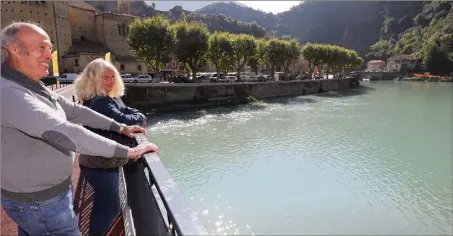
point(177, 96)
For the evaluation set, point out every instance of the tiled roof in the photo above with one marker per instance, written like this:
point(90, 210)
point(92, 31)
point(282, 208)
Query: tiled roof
point(376, 62)
point(82, 5)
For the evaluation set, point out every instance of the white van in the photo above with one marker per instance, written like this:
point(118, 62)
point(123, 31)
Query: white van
point(67, 78)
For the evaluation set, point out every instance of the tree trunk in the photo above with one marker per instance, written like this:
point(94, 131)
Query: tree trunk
point(273, 72)
point(238, 71)
point(194, 74)
point(217, 68)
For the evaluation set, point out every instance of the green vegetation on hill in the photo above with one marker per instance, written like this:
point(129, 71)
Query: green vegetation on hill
point(242, 13)
point(214, 22)
point(421, 29)
point(377, 29)
point(351, 24)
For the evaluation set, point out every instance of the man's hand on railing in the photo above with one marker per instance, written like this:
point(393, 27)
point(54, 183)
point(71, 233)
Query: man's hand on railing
point(138, 151)
point(130, 130)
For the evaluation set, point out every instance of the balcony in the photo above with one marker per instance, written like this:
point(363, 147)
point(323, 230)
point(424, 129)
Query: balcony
point(151, 202)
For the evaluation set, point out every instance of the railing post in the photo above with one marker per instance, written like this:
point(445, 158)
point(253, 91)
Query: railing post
point(145, 211)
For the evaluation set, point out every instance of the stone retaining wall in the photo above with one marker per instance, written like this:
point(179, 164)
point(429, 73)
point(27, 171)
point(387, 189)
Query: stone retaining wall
point(165, 96)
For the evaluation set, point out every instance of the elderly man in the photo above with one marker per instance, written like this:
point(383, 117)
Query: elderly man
point(38, 140)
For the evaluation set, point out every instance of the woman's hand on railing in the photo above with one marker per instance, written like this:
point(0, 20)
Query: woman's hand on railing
point(130, 130)
point(138, 151)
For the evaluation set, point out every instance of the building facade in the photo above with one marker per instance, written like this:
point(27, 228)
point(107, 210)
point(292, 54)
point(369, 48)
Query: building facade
point(401, 62)
point(81, 33)
point(376, 66)
point(52, 16)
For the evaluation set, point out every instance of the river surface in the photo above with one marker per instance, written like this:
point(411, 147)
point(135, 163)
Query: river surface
point(377, 160)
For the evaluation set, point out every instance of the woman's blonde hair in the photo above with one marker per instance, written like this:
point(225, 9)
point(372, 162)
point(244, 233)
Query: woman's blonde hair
point(89, 83)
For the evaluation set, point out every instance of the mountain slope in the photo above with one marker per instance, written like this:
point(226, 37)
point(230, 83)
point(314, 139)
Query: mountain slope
point(351, 24)
point(418, 30)
point(241, 12)
point(187, 5)
point(214, 22)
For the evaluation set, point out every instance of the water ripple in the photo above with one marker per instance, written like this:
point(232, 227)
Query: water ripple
point(354, 163)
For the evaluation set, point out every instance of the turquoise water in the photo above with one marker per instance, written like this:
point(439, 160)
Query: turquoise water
point(373, 161)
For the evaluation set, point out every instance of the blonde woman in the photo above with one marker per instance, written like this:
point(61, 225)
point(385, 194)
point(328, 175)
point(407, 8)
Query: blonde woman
point(100, 87)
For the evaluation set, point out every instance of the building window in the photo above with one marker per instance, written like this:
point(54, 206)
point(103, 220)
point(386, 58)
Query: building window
point(122, 67)
point(82, 38)
point(124, 30)
point(119, 29)
point(76, 62)
point(139, 67)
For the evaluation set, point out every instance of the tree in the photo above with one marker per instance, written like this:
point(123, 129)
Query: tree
point(243, 48)
point(152, 40)
point(275, 53)
point(381, 50)
point(260, 57)
point(220, 51)
point(192, 44)
point(310, 53)
point(437, 61)
point(333, 58)
point(292, 53)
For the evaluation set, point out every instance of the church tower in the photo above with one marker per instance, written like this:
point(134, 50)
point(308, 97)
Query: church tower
point(124, 7)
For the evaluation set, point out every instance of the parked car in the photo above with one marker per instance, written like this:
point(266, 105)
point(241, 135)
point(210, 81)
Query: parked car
point(127, 78)
point(179, 79)
point(49, 80)
point(143, 79)
point(67, 78)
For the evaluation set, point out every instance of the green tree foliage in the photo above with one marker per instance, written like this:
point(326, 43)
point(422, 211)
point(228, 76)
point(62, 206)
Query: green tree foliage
point(421, 29)
point(220, 51)
point(192, 44)
point(292, 53)
point(436, 61)
point(152, 40)
point(332, 58)
point(275, 54)
point(260, 56)
point(381, 49)
point(243, 48)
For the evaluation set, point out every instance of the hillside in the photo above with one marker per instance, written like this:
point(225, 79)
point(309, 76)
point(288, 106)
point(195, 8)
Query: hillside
point(187, 5)
point(242, 13)
point(413, 31)
point(375, 29)
point(215, 22)
point(351, 24)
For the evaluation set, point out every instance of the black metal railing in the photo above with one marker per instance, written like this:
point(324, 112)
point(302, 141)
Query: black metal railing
point(152, 204)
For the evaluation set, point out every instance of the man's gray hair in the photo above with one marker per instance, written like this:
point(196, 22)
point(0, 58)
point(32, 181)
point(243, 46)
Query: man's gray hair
point(8, 35)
